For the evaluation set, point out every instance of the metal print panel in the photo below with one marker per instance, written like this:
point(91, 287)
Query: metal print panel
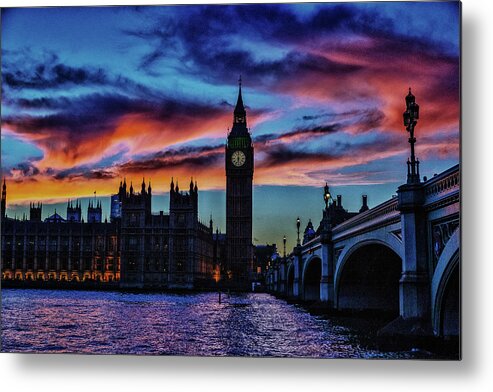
point(232, 180)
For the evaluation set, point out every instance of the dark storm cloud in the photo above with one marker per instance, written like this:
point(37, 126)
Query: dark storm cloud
point(89, 113)
point(282, 154)
point(84, 173)
point(206, 35)
point(363, 119)
point(98, 112)
point(23, 70)
point(369, 120)
point(187, 151)
point(301, 133)
point(52, 76)
point(196, 157)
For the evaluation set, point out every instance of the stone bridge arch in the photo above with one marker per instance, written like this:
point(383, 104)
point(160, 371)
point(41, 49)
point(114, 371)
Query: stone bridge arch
point(311, 276)
point(367, 275)
point(445, 290)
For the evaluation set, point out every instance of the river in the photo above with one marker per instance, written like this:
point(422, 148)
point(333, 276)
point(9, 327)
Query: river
point(254, 324)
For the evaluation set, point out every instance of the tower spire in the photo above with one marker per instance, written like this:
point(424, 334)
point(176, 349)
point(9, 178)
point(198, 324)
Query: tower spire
point(240, 107)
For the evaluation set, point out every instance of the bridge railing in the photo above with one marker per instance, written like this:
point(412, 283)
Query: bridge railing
point(442, 185)
point(375, 216)
point(436, 189)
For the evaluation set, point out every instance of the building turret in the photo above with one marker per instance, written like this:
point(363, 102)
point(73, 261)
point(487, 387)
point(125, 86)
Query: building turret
point(186, 201)
point(364, 207)
point(309, 233)
point(94, 212)
point(35, 212)
point(74, 213)
point(143, 187)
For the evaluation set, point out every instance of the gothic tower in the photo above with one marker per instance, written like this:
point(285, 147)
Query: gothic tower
point(239, 182)
point(4, 200)
point(94, 212)
point(136, 217)
point(74, 213)
point(183, 223)
point(35, 212)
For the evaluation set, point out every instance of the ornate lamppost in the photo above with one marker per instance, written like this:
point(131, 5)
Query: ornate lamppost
point(327, 196)
point(411, 116)
point(298, 223)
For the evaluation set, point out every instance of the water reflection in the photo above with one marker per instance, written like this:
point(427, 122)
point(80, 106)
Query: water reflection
point(171, 324)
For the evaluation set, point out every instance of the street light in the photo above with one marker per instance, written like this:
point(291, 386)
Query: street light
point(298, 223)
point(284, 243)
point(410, 116)
point(327, 195)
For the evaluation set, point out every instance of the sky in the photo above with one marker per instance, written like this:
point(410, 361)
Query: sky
point(92, 95)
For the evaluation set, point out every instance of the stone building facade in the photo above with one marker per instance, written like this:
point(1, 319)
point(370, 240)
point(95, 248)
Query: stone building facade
point(137, 249)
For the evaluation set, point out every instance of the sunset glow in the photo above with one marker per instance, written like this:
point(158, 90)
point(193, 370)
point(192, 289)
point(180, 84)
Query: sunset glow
point(95, 95)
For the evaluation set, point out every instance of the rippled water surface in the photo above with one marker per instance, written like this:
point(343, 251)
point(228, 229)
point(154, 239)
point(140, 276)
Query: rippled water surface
point(172, 324)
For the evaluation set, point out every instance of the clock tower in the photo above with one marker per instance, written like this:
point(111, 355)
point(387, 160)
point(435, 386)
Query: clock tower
point(239, 182)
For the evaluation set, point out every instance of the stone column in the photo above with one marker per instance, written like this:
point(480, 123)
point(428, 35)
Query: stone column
point(327, 281)
point(282, 277)
point(414, 283)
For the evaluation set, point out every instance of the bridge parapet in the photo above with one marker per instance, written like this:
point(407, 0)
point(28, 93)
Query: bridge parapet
point(443, 186)
point(311, 245)
point(379, 215)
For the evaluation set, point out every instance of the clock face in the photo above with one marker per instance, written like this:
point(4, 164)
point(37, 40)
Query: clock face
point(238, 158)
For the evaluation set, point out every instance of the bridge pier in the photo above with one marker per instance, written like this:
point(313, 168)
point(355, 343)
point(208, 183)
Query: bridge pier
point(414, 283)
point(327, 280)
point(414, 286)
point(282, 277)
point(298, 265)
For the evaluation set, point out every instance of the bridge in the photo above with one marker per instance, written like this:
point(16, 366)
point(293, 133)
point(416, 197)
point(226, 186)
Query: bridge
point(400, 257)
